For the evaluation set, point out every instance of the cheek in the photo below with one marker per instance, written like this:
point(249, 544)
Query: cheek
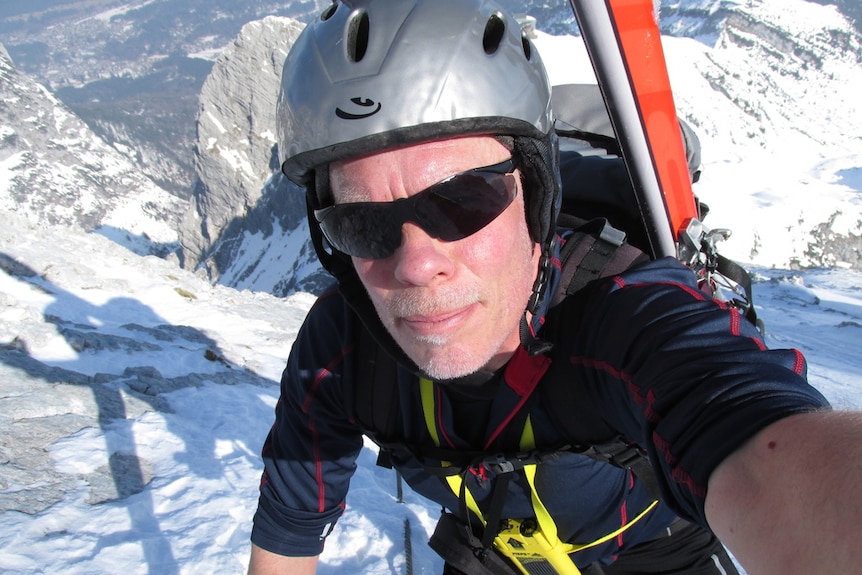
point(504, 245)
point(372, 273)
point(483, 251)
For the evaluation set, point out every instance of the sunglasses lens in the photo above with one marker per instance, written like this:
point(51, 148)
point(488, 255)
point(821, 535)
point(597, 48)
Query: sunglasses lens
point(450, 210)
point(363, 230)
point(465, 204)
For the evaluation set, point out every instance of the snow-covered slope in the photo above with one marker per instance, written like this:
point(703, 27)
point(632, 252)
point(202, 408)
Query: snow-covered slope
point(774, 102)
point(133, 400)
point(54, 170)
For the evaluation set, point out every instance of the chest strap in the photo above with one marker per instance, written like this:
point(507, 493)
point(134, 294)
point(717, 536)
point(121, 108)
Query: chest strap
point(522, 541)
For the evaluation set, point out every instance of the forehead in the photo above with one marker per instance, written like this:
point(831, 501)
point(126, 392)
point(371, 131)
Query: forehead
point(407, 170)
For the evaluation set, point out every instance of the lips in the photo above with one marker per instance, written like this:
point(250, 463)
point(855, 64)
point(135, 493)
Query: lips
point(439, 323)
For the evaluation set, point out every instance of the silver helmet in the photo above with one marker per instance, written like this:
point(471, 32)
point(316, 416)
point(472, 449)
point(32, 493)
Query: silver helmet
point(374, 74)
point(369, 75)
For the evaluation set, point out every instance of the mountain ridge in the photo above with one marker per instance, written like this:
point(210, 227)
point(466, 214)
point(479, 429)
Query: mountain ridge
point(55, 171)
point(779, 74)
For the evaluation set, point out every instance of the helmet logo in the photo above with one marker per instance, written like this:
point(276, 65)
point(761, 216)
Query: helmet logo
point(362, 103)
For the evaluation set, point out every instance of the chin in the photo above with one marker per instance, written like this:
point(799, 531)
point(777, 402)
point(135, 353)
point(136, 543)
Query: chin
point(452, 364)
point(447, 372)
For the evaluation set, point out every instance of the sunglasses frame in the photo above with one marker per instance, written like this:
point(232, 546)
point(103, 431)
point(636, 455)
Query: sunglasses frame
point(405, 210)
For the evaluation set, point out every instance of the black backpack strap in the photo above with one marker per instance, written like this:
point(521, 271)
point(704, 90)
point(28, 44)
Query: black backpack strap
point(629, 456)
point(374, 396)
point(594, 250)
point(735, 272)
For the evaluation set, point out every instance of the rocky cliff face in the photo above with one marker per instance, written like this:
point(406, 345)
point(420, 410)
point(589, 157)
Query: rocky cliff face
point(246, 224)
point(54, 170)
point(236, 131)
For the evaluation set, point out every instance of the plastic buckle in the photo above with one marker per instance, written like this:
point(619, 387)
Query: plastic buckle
point(627, 457)
point(499, 464)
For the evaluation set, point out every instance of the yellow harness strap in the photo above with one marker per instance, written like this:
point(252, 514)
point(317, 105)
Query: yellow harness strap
point(426, 389)
point(518, 541)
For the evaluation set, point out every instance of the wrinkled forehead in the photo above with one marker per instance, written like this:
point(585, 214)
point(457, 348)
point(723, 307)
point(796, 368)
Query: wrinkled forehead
point(401, 172)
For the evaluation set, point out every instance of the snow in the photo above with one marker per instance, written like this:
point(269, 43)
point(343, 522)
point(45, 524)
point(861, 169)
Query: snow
point(210, 55)
point(197, 455)
point(201, 449)
point(789, 129)
point(143, 393)
point(107, 15)
point(270, 266)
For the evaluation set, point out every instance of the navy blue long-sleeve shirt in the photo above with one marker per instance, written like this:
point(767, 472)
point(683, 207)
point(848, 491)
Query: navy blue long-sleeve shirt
point(667, 367)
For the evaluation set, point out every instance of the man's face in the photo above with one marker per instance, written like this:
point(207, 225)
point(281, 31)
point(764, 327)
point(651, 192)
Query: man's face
point(453, 307)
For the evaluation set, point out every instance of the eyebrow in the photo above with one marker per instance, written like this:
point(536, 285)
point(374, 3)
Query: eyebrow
point(347, 194)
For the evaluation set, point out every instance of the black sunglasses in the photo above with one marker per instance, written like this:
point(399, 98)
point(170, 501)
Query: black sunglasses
point(450, 210)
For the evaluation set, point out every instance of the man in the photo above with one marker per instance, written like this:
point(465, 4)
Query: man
point(423, 133)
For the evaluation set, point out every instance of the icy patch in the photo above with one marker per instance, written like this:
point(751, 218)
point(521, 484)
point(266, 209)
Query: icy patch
point(851, 177)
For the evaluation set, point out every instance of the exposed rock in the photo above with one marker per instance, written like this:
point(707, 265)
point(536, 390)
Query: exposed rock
point(235, 151)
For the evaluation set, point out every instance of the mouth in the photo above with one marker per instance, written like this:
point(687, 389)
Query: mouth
point(437, 324)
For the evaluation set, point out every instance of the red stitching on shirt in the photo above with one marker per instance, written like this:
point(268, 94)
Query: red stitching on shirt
point(600, 365)
point(664, 446)
point(312, 428)
point(439, 393)
point(318, 466)
point(681, 476)
point(693, 292)
point(647, 401)
point(677, 473)
point(624, 518)
point(799, 364)
point(734, 323)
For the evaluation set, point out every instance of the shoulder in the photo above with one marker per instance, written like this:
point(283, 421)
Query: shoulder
point(330, 311)
point(661, 272)
point(655, 285)
point(659, 300)
point(328, 331)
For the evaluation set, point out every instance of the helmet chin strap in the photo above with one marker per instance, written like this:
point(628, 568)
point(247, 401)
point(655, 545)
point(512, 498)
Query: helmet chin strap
point(536, 307)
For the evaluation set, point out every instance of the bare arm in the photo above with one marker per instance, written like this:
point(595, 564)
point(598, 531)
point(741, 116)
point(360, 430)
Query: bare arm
point(788, 502)
point(263, 562)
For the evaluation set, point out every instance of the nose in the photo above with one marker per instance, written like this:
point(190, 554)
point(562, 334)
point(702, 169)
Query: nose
point(422, 260)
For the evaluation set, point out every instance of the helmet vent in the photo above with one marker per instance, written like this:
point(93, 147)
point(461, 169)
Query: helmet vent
point(329, 12)
point(528, 47)
point(495, 30)
point(357, 36)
